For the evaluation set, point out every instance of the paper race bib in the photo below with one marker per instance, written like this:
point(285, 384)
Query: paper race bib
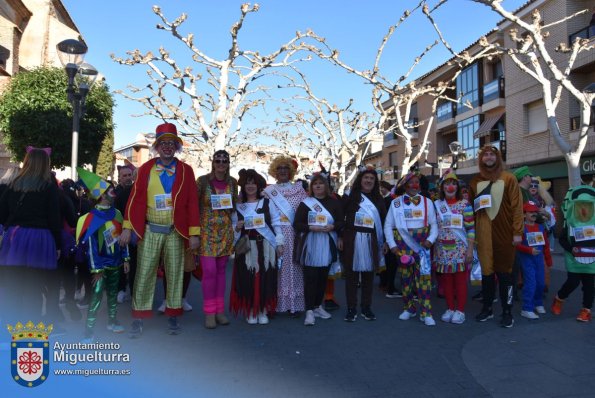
point(221, 202)
point(482, 202)
point(452, 221)
point(254, 222)
point(413, 214)
point(535, 239)
point(583, 233)
point(317, 219)
point(284, 220)
point(163, 202)
point(110, 236)
point(363, 220)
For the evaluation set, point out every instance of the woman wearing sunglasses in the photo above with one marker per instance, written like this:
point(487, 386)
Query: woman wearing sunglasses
point(217, 196)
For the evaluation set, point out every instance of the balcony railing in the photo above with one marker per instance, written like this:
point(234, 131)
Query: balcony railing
point(445, 111)
point(493, 90)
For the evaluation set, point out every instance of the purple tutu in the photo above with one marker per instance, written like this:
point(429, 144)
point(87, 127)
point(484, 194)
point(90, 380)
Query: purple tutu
point(29, 247)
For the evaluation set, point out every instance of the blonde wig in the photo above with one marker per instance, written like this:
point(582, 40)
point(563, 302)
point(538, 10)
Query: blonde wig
point(283, 160)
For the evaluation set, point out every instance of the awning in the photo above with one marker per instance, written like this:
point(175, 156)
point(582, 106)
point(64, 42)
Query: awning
point(488, 124)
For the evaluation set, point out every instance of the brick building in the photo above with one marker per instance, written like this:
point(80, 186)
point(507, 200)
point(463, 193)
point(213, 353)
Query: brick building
point(507, 109)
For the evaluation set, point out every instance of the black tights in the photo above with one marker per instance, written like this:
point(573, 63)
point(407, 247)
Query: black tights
point(314, 285)
point(572, 282)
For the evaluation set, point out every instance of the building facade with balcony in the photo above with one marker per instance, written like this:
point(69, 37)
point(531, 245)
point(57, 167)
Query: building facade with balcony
point(503, 106)
point(29, 32)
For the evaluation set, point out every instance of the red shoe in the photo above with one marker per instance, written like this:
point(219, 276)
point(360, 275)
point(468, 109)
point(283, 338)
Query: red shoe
point(584, 315)
point(557, 306)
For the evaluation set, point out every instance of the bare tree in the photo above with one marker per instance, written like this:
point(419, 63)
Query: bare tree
point(393, 100)
point(208, 103)
point(542, 67)
point(337, 137)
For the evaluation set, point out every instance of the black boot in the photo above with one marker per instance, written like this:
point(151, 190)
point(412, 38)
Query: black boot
point(488, 290)
point(506, 297)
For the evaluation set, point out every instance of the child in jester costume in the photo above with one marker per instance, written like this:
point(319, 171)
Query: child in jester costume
point(578, 241)
point(101, 228)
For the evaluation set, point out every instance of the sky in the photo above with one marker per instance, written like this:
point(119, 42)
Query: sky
point(354, 27)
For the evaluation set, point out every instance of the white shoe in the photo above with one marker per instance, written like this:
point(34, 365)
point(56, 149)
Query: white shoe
point(529, 315)
point(320, 312)
point(540, 309)
point(121, 296)
point(429, 321)
point(310, 320)
point(458, 317)
point(447, 316)
point(406, 315)
point(162, 307)
point(251, 320)
point(187, 307)
point(263, 319)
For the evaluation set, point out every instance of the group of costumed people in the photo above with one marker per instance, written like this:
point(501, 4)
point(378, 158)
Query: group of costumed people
point(287, 242)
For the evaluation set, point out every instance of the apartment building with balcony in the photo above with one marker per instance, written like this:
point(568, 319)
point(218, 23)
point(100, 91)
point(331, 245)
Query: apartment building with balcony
point(502, 106)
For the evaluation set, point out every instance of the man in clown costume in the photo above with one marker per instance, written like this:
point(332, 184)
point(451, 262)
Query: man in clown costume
point(578, 241)
point(163, 213)
point(100, 229)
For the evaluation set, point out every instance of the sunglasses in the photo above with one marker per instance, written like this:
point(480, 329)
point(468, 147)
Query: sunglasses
point(221, 161)
point(167, 143)
point(283, 168)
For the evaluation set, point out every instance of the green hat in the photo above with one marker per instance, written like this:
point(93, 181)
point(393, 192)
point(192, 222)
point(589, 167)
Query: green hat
point(95, 184)
point(522, 172)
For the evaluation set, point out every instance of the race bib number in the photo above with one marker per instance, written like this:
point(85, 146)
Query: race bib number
point(584, 233)
point(317, 219)
point(163, 202)
point(535, 239)
point(284, 220)
point(254, 222)
point(221, 202)
point(413, 214)
point(363, 220)
point(110, 236)
point(453, 221)
point(482, 202)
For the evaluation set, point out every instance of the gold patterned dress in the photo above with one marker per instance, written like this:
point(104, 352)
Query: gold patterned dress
point(216, 229)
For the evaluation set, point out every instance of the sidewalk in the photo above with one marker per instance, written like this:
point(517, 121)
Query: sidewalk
point(550, 357)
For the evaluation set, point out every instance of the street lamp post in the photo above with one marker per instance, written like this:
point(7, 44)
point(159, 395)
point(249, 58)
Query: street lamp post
point(72, 53)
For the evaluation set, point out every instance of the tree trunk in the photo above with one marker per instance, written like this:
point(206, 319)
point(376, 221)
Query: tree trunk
point(573, 160)
point(219, 141)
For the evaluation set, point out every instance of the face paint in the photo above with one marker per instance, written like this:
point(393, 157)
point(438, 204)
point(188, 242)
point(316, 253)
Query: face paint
point(414, 185)
point(583, 211)
point(451, 188)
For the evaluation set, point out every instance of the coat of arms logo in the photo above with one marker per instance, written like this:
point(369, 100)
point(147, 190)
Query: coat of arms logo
point(29, 353)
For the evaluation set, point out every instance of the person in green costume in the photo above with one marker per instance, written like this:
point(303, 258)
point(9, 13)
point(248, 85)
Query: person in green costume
point(578, 241)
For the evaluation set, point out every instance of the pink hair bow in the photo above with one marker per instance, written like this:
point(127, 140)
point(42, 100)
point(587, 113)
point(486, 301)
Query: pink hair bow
point(46, 150)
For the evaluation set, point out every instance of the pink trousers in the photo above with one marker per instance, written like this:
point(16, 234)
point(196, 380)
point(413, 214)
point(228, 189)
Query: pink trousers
point(213, 284)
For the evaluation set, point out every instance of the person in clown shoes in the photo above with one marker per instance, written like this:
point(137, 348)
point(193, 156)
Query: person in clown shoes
point(162, 210)
point(410, 231)
point(100, 229)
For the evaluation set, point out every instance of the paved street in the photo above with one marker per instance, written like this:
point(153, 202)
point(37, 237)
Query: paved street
point(551, 357)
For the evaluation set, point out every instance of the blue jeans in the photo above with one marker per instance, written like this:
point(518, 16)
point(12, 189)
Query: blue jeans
point(533, 280)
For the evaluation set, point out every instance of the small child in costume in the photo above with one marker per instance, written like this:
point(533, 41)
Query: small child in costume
point(101, 228)
point(534, 251)
point(578, 241)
